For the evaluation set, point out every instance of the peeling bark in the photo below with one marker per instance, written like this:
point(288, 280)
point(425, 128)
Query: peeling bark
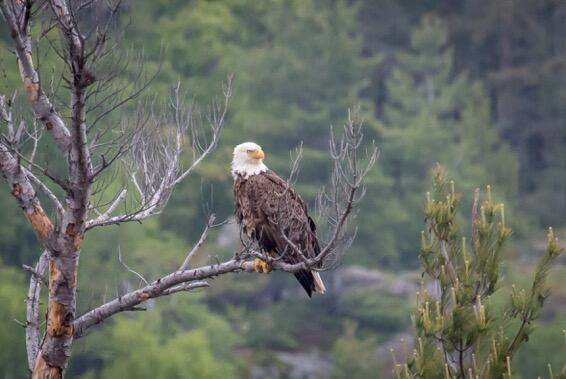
point(56, 348)
point(40, 223)
point(41, 104)
point(63, 267)
point(25, 195)
point(47, 372)
point(50, 361)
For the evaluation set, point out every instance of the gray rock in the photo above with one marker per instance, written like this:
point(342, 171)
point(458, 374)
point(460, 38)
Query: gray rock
point(306, 365)
point(353, 278)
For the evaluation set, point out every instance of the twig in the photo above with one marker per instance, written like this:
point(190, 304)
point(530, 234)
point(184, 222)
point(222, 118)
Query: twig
point(106, 215)
point(32, 270)
point(129, 269)
point(186, 287)
point(43, 188)
point(201, 240)
point(475, 205)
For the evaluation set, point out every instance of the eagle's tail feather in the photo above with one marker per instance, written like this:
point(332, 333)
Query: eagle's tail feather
point(307, 281)
point(318, 284)
point(311, 281)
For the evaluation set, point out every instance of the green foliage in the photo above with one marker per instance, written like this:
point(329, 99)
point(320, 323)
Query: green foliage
point(431, 114)
point(544, 348)
point(376, 311)
point(271, 328)
point(13, 361)
point(526, 305)
point(459, 332)
point(287, 323)
point(145, 248)
point(354, 357)
point(186, 354)
point(177, 339)
point(17, 241)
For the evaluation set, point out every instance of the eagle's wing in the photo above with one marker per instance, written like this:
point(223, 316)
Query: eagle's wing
point(243, 208)
point(281, 212)
point(287, 208)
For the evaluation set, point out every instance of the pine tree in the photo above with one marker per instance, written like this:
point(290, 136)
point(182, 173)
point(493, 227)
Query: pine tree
point(430, 115)
point(459, 331)
point(354, 357)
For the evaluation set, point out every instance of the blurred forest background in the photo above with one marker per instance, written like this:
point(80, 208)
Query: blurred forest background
point(476, 85)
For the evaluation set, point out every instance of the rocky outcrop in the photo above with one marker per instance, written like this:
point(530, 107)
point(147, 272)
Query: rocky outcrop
point(300, 365)
point(350, 279)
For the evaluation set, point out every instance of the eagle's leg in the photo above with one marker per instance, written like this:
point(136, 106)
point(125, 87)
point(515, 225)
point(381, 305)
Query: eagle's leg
point(261, 266)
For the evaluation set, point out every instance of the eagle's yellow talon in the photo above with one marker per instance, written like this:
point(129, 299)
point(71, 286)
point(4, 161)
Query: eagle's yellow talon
point(261, 266)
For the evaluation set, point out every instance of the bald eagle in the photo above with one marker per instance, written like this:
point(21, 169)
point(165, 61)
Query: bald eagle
point(271, 213)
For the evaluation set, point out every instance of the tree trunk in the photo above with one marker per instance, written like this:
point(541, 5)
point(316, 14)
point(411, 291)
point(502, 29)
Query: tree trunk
point(55, 349)
point(504, 85)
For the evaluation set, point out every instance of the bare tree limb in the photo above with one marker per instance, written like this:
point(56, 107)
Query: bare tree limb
point(106, 215)
point(35, 136)
point(154, 289)
point(195, 248)
point(80, 163)
point(155, 156)
point(186, 287)
point(43, 188)
point(216, 120)
point(25, 194)
point(347, 184)
point(170, 284)
point(39, 276)
point(41, 104)
point(32, 309)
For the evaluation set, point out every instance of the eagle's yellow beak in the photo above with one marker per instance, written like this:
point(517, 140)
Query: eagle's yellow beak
point(257, 154)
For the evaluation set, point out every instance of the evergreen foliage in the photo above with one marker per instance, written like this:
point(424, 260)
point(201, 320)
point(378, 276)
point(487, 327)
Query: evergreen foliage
point(354, 357)
point(12, 311)
point(176, 338)
point(459, 332)
point(431, 114)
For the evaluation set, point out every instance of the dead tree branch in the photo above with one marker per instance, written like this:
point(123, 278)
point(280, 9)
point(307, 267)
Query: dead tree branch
point(25, 195)
point(198, 245)
point(155, 289)
point(154, 156)
point(41, 104)
point(32, 309)
point(140, 276)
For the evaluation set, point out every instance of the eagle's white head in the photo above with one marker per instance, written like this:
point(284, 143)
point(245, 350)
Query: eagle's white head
point(248, 160)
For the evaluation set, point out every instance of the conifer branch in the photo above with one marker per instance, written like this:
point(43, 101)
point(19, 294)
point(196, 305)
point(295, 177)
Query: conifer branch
point(458, 320)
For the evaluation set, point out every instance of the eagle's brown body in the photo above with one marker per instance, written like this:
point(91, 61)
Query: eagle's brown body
point(269, 210)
